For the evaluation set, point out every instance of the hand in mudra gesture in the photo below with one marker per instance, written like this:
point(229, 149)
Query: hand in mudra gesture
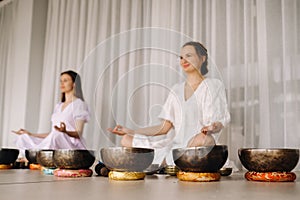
point(61, 128)
point(213, 128)
point(120, 130)
point(21, 131)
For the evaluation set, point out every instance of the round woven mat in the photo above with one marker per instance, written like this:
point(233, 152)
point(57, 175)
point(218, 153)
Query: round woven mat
point(198, 176)
point(73, 173)
point(126, 176)
point(270, 176)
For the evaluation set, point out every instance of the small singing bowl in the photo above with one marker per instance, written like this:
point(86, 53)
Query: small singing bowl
point(45, 158)
point(225, 171)
point(73, 158)
point(31, 155)
point(200, 159)
point(127, 159)
point(269, 159)
point(8, 156)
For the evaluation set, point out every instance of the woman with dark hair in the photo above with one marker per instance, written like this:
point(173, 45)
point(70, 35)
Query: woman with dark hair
point(68, 119)
point(196, 110)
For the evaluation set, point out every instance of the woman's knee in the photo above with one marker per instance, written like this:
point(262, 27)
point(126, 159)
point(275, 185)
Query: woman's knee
point(22, 141)
point(209, 140)
point(127, 141)
point(201, 140)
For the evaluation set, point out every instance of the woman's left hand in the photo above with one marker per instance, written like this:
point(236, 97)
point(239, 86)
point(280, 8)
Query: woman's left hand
point(62, 127)
point(213, 128)
point(120, 130)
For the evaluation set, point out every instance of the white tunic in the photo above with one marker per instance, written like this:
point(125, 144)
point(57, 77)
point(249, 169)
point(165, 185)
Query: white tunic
point(208, 104)
point(77, 110)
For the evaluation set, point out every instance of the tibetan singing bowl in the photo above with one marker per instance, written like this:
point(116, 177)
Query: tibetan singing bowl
point(31, 155)
point(269, 160)
point(73, 158)
point(8, 156)
point(127, 159)
point(45, 158)
point(200, 159)
point(225, 171)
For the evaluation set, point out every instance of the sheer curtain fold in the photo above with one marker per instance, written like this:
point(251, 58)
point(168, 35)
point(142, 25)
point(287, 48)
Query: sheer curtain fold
point(253, 47)
point(6, 30)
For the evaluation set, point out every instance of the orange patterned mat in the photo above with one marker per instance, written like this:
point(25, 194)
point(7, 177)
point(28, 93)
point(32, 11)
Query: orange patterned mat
point(270, 176)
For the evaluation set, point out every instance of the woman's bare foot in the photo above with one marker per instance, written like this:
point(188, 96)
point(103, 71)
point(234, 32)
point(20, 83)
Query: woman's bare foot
point(22, 160)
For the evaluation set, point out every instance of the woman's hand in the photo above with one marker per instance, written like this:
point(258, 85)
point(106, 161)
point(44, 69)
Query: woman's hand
point(62, 127)
point(213, 128)
point(75, 134)
point(120, 130)
point(22, 131)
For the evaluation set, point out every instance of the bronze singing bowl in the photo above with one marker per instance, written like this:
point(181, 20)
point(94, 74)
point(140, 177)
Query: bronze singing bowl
point(8, 156)
point(269, 160)
point(225, 171)
point(73, 158)
point(200, 159)
point(127, 159)
point(31, 155)
point(45, 158)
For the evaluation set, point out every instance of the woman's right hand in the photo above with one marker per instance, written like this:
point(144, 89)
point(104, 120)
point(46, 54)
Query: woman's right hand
point(120, 130)
point(22, 131)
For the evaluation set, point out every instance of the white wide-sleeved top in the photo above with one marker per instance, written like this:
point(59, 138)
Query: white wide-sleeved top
point(77, 110)
point(208, 104)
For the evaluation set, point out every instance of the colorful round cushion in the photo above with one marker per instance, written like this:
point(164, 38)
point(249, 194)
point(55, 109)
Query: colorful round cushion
point(126, 176)
point(270, 176)
point(73, 173)
point(4, 166)
point(198, 176)
point(33, 166)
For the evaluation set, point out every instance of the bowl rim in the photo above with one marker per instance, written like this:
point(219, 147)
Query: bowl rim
point(47, 149)
point(74, 150)
point(124, 148)
point(9, 149)
point(35, 150)
point(268, 149)
point(66, 151)
point(226, 168)
point(199, 147)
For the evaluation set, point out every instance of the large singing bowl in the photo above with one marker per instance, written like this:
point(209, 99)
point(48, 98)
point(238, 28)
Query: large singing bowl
point(128, 159)
point(269, 160)
point(200, 159)
point(45, 158)
point(73, 158)
point(8, 156)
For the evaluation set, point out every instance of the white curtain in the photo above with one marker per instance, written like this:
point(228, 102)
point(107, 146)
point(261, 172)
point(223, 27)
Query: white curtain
point(125, 51)
point(7, 12)
point(5, 32)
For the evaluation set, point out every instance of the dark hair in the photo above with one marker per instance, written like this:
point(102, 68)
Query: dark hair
point(201, 51)
point(76, 79)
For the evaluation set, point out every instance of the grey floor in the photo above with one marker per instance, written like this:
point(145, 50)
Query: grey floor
point(25, 184)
